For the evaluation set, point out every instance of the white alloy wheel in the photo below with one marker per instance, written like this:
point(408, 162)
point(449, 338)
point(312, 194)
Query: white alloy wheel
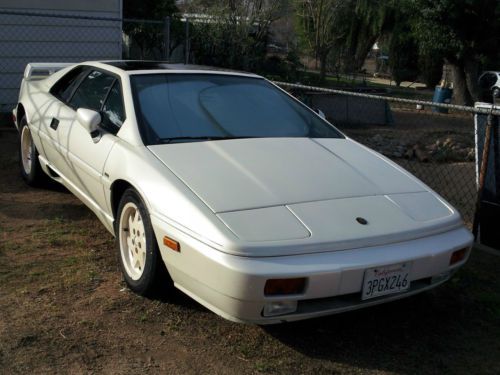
point(132, 240)
point(140, 260)
point(26, 150)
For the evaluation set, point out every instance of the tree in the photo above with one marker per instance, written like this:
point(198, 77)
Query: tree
point(233, 33)
point(148, 9)
point(369, 21)
point(465, 32)
point(323, 24)
point(403, 54)
point(149, 37)
point(430, 69)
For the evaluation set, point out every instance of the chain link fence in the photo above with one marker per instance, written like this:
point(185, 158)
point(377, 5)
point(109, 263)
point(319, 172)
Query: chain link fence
point(42, 36)
point(438, 143)
point(73, 36)
point(166, 39)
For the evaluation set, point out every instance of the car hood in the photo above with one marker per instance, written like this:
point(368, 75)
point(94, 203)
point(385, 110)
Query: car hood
point(284, 196)
point(232, 175)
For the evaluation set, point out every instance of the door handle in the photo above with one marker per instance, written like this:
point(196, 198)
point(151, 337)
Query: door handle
point(54, 123)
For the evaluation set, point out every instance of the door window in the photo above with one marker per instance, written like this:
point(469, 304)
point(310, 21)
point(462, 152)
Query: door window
point(67, 84)
point(113, 113)
point(92, 91)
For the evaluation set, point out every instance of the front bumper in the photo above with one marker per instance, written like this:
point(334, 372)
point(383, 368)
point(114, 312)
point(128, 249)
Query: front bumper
point(233, 286)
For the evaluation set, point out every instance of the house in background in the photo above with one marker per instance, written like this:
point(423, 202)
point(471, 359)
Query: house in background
point(54, 31)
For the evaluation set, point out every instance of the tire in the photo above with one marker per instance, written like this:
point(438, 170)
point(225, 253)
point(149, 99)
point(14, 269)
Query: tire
point(31, 171)
point(138, 253)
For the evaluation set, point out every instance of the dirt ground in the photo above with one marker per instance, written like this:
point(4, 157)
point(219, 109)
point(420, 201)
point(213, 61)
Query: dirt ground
point(64, 309)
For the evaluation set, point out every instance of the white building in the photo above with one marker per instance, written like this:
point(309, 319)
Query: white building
point(54, 31)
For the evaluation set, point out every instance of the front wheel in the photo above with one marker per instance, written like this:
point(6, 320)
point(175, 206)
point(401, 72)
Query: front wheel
point(138, 252)
point(31, 171)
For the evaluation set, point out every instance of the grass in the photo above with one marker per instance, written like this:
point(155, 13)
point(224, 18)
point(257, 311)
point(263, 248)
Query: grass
point(64, 309)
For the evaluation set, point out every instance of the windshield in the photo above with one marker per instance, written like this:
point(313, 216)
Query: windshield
point(196, 107)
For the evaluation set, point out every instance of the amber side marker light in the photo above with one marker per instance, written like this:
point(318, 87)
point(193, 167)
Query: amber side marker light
point(172, 244)
point(276, 287)
point(458, 256)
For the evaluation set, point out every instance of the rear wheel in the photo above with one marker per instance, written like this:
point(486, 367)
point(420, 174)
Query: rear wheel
point(31, 171)
point(138, 252)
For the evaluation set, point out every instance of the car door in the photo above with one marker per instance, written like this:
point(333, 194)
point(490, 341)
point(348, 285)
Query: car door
point(85, 155)
point(57, 117)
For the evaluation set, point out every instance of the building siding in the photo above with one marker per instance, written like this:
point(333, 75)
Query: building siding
point(54, 37)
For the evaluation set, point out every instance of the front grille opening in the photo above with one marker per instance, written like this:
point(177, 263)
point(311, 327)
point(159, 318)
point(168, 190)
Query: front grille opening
point(353, 299)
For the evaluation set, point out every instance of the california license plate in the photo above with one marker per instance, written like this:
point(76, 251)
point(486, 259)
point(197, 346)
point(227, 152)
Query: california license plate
point(380, 281)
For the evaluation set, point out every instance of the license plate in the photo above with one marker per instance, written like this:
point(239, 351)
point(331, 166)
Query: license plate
point(380, 281)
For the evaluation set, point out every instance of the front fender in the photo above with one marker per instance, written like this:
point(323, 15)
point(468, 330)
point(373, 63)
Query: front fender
point(164, 194)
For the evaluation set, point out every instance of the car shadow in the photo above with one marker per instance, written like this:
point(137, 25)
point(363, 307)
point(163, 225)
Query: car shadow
point(165, 292)
point(388, 337)
point(45, 211)
point(175, 297)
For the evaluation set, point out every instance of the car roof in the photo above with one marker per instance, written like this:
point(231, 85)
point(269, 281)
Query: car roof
point(136, 67)
point(147, 66)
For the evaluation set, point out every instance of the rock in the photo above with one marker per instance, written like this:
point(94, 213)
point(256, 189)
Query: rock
point(471, 154)
point(409, 154)
point(448, 142)
point(377, 138)
point(421, 154)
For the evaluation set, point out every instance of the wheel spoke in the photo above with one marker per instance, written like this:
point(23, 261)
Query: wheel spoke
point(130, 224)
point(130, 246)
point(135, 260)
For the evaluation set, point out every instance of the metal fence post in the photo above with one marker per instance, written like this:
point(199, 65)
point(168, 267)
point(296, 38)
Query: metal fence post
point(166, 37)
point(186, 61)
point(482, 174)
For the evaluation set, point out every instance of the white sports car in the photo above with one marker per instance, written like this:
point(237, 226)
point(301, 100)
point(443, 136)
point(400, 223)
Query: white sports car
point(260, 209)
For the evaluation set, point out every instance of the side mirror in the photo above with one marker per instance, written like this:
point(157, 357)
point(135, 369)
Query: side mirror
point(90, 121)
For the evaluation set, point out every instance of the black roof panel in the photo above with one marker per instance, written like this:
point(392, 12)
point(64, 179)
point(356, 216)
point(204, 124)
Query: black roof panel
point(158, 65)
point(138, 65)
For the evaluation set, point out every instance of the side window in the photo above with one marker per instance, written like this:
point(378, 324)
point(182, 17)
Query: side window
point(92, 91)
point(113, 113)
point(66, 85)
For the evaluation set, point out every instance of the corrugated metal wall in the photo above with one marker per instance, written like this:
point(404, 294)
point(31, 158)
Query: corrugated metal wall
point(68, 31)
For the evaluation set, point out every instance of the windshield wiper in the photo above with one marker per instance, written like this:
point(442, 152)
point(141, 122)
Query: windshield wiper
point(201, 138)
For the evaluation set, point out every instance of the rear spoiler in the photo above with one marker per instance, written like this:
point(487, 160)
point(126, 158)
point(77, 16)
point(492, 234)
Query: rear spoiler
point(42, 70)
